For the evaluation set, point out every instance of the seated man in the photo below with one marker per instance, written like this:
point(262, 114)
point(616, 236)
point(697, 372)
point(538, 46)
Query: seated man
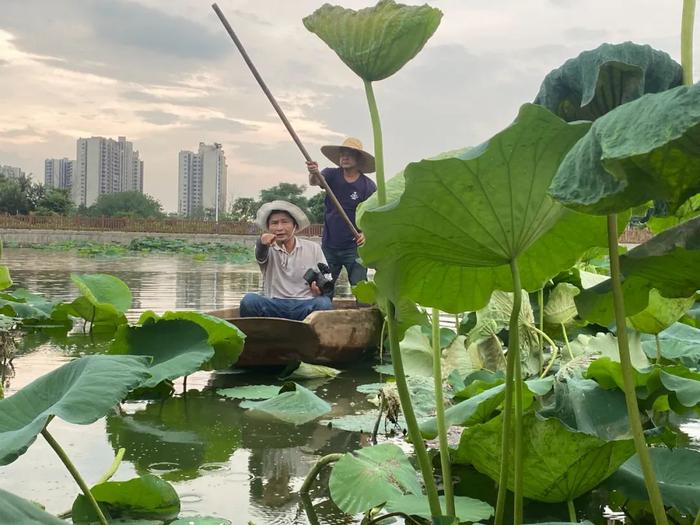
point(284, 259)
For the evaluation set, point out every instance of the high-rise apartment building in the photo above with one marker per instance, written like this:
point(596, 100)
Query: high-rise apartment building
point(202, 180)
point(58, 173)
point(11, 172)
point(105, 166)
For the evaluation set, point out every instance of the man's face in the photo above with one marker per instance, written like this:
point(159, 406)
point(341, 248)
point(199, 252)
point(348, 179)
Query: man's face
point(281, 225)
point(348, 158)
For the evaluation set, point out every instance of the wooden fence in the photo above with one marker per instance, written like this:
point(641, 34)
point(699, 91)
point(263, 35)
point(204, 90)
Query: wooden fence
point(173, 225)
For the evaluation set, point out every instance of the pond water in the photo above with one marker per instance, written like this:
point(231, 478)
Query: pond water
point(220, 460)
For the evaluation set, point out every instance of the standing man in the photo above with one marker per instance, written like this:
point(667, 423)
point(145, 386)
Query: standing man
point(284, 259)
point(351, 186)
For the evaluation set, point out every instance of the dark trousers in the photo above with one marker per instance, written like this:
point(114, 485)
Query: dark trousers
point(348, 258)
point(256, 305)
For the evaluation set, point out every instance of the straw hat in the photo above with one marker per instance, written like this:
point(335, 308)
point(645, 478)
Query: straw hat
point(366, 162)
point(292, 209)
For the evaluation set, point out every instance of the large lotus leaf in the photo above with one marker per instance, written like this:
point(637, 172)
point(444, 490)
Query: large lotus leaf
point(79, 392)
point(226, 338)
point(5, 279)
point(479, 408)
point(599, 80)
point(679, 342)
point(577, 463)
point(643, 150)
point(449, 240)
point(667, 262)
point(371, 476)
point(375, 42)
point(560, 307)
point(584, 406)
point(14, 509)
point(676, 473)
point(294, 404)
point(416, 353)
point(103, 302)
point(688, 210)
point(467, 509)
point(178, 347)
point(605, 345)
point(660, 313)
point(145, 497)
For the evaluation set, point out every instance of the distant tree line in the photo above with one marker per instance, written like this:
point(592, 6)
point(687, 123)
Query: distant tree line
point(22, 196)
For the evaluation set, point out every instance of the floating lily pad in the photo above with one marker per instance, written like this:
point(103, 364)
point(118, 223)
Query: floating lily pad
point(375, 42)
point(308, 371)
point(79, 392)
point(467, 509)
point(250, 392)
point(294, 404)
point(385, 473)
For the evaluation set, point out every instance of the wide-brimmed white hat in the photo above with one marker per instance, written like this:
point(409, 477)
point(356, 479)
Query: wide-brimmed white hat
point(292, 209)
point(366, 162)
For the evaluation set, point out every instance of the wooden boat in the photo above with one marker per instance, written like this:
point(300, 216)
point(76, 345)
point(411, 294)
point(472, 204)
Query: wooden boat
point(327, 337)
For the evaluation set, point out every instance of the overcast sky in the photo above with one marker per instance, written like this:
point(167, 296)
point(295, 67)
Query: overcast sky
point(165, 74)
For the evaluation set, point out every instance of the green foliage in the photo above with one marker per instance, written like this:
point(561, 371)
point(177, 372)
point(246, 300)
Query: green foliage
point(285, 191)
point(14, 509)
point(679, 343)
point(317, 208)
point(145, 497)
point(375, 42)
point(103, 301)
point(79, 392)
point(454, 261)
point(55, 201)
point(578, 462)
point(467, 509)
point(18, 196)
point(293, 404)
point(660, 313)
point(250, 391)
point(126, 204)
point(243, 209)
point(598, 81)
point(385, 472)
point(177, 347)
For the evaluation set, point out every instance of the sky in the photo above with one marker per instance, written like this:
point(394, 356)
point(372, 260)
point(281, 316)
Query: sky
point(165, 74)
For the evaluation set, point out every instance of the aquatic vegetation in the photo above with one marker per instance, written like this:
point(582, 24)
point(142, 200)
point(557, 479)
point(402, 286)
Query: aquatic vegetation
point(292, 404)
point(103, 302)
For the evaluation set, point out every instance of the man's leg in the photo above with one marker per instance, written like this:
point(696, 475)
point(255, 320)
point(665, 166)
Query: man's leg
point(256, 305)
point(356, 272)
point(334, 262)
point(304, 307)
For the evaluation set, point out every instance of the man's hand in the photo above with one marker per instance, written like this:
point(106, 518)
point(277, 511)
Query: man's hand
point(314, 173)
point(360, 239)
point(268, 239)
point(315, 290)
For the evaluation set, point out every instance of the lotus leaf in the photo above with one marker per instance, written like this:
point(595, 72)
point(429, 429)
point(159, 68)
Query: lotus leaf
point(676, 471)
point(303, 370)
point(14, 509)
point(597, 81)
point(5, 279)
point(560, 307)
point(375, 42)
point(679, 342)
point(605, 345)
point(467, 509)
point(145, 497)
point(688, 210)
point(250, 392)
point(103, 302)
point(577, 463)
point(79, 392)
point(407, 314)
point(660, 313)
point(584, 406)
point(385, 473)
point(178, 347)
point(226, 338)
point(448, 242)
point(667, 262)
point(643, 150)
point(294, 404)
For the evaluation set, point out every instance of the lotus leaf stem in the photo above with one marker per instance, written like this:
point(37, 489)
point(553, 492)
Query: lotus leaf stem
point(113, 467)
point(687, 23)
point(309, 509)
point(440, 415)
point(382, 405)
point(555, 353)
point(566, 341)
point(697, 519)
point(658, 349)
point(411, 422)
point(514, 345)
point(74, 472)
point(572, 511)
point(378, 147)
point(540, 304)
point(655, 500)
point(318, 466)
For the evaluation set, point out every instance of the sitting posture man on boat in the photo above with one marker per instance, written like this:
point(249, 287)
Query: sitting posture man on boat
point(351, 186)
point(284, 260)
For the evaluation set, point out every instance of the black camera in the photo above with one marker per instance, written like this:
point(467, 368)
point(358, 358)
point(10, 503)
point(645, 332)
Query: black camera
point(322, 277)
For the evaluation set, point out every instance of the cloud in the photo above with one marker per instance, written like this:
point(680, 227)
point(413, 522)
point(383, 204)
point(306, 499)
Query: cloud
point(158, 117)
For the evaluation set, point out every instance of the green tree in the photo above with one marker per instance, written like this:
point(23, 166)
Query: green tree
point(286, 191)
point(244, 209)
point(55, 201)
point(317, 208)
point(13, 197)
point(126, 204)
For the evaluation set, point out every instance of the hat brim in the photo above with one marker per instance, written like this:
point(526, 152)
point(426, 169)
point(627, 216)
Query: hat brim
point(292, 209)
point(365, 164)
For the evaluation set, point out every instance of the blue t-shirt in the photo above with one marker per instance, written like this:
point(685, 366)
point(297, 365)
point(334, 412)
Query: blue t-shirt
point(336, 234)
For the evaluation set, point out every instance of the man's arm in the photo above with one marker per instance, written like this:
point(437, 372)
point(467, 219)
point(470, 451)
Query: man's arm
point(262, 247)
point(314, 173)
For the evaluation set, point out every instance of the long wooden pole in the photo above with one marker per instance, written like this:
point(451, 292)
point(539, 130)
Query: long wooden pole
point(282, 116)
